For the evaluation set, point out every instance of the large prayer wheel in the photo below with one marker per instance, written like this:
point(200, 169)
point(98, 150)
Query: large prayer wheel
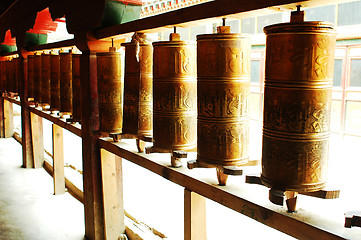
point(175, 95)
point(110, 91)
point(3, 76)
point(297, 104)
point(66, 92)
point(55, 81)
point(223, 69)
point(76, 87)
point(138, 105)
point(37, 78)
point(31, 77)
point(45, 84)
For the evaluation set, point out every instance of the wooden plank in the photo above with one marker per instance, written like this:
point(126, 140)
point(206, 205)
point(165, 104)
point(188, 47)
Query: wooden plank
point(112, 195)
point(194, 216)
point(8, 119)
point(58, 160)
point(37, 139)
point(73, 128)
point(243, 198)
point(185, 17)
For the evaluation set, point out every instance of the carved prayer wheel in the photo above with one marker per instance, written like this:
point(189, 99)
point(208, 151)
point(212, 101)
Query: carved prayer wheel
point(55, 81)
point(31, 77)
point(110, 91)
point(223, 69)
point(37, 77)
point(297, 104)
point(45, 84)
point(76, 87)
point(138, 105)
point(66, 92)
point(175, 95)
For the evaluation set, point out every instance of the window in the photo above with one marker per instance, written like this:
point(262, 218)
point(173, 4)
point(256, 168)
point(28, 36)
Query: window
point(325, 13)
point(268, 20)
point(248, 25)
point(255, 64)
point(355, 75)
point(349, 13)
point(337, 73)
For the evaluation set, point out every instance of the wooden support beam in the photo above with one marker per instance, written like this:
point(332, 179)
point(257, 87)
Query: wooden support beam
point(58, 160)
point(8, 119)
point(194, 216)
point(37, 139)
point(112, 181)
point(2, 129)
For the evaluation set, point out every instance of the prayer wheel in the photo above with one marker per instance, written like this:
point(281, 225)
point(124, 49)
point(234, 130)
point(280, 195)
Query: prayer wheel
point(3, 76)
point(55, 81)
point(175, 95)
point(110, 91)
point(45, 84)
point(76, 87)
point(11, 75)
point(66, 92)
point(223, 86)
point(138, 105)
point(297, 104)
point(37, 78)
point(31, 77)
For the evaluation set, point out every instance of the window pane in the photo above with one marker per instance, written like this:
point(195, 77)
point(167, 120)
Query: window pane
point(234, 24)
point(325, 13)
point(349, 13)
point(255, 71)
point(353, 117)
point(355, 79)
point(268, 20)
point(337, 73)
point(248, 25)
point(336, 115)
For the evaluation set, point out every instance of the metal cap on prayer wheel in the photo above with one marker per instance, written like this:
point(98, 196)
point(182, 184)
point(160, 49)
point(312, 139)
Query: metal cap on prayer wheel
point(297, 104)
point(55, 81)
point(45, 83)
point(110, 91)
point(76, 87)
point(223, 69)
point(138, 105)
point(66, 92)
point(175, 95)
point(31, 77)
point(37, 77)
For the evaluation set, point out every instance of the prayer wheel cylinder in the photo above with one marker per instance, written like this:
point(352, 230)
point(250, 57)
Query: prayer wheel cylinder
point(8, 76)
point(223, 69)
point(138, 105)
point(3, 76)
point(110, 91)
point(55, 81)
point(45, 84)
point(66, 92)
point(297, 104)
point(175, 95)
point(76, 87)
point(37, 78)
point(31, 76)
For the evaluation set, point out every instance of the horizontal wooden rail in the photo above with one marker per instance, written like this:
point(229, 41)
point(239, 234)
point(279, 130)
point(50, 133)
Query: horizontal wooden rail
point(12, 100)
point(61, 122)
point(246, 199)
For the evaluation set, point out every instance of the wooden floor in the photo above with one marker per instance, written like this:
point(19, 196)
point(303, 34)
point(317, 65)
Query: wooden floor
point(28, 208)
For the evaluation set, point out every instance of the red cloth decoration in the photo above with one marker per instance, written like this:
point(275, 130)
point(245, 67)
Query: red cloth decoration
point(43, 23)
point(8, 39)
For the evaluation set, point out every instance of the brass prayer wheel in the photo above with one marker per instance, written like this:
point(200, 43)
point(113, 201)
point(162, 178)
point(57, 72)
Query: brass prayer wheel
point(138, 105)
point(66, 92)
point(76, 87)
point(37, 77)
point(175, 95)
point(110, 91)
point(223, 86)
point(45, 84)
point(297, 104)
point(55, 81)
point(31, 76)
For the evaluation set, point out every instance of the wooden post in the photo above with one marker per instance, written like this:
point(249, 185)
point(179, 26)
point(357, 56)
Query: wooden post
point(112, 182)
point(194, 216)
point(8, 119)
point(37, 139)
point(28, 159)
point(2, 129)
point(58, 160)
